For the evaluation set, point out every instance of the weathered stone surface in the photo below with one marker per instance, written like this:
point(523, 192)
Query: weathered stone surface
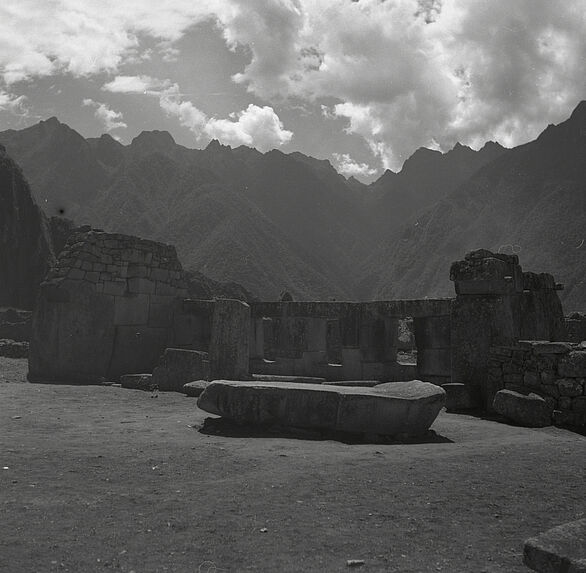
point(545, 347)
point(461, 397)
point(573, 365)
point(229, 343)
point(99, 325)
point(559, 550)
point(525, 409)
point(570, 386)
point(296, 379)
point(354, 383)
point(137, 382)
point(388, 409)
point(195, 388)
point(72, 341)
point(177, 367)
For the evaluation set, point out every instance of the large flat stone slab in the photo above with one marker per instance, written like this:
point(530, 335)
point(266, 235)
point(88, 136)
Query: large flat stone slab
point(387, 409)
point(558, 550)
point(296, 379)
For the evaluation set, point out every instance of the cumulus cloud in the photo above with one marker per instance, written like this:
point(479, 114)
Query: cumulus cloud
point(12, 103)
point(254, 126)
point(136, 85)
point(347, 166)
point(110, 119)
point(82, 37)
point(401, 73)
point(409, 73)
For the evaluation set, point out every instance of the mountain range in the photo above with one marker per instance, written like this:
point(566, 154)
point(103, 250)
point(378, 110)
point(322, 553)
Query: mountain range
point(274, 221)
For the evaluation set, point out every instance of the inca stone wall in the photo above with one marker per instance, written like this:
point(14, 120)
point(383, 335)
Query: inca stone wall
point(107, 308)
point(554, 370)
point(498, 304)
point(576, 327)
point(350, 341)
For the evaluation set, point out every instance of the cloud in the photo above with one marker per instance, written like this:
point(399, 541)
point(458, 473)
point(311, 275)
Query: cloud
point(13, 104)
point(84, 38)
point(188, 114)
point(255, 126)
point(348, 167)
point(136, 85)
point(402, 73)
point(110, 119)
point(408, 73)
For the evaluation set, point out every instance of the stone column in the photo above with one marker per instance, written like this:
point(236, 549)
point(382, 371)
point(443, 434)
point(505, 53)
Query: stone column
point(484, 314)
point(230, 337)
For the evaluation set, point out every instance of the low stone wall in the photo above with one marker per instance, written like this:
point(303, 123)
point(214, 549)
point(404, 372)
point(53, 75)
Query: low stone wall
point(106, 308)
point(554, 370)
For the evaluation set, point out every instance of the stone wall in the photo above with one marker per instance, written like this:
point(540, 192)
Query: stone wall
point(554, 370)
point(106, 308)
point(576, 327)
point(350, 341)
point(498, 304)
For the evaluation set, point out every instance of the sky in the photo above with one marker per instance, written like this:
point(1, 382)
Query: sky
point(362, 83)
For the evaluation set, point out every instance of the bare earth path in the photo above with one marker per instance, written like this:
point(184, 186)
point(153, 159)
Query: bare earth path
point(107, 479)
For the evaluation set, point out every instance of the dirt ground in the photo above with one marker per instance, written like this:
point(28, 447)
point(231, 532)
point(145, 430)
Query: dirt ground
point(106, 479)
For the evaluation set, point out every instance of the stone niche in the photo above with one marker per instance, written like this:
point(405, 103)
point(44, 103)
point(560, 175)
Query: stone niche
point(105, 309)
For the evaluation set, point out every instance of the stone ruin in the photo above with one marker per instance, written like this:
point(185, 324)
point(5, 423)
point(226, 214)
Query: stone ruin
point(113, 303)
point(105, 309)
point(116, 306)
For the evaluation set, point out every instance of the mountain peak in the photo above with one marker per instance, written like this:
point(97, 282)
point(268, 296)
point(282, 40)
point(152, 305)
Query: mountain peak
point(579, 113)
point(160, 137)
point(215, 145)
point(490, 145)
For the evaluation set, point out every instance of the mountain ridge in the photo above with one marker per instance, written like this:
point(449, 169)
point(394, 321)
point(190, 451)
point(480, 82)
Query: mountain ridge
point(274, 221)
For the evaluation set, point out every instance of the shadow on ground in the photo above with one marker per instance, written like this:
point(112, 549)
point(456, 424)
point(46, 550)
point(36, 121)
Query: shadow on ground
point(229, 428)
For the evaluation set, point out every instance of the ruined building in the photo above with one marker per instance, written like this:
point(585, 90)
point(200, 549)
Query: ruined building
point(114, 303)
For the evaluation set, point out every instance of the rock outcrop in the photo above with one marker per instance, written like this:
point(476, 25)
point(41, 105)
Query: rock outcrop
point(25, 246)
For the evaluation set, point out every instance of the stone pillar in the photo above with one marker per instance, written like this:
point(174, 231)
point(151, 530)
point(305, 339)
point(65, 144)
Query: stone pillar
point(484, 314)
point(229, 344)
point(434, 343)
point(496, 305)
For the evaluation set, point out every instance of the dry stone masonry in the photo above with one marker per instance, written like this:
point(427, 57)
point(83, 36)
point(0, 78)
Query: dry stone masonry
point(116, 305)
point(553, 371)
point(106, 308)
point(498, 304)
